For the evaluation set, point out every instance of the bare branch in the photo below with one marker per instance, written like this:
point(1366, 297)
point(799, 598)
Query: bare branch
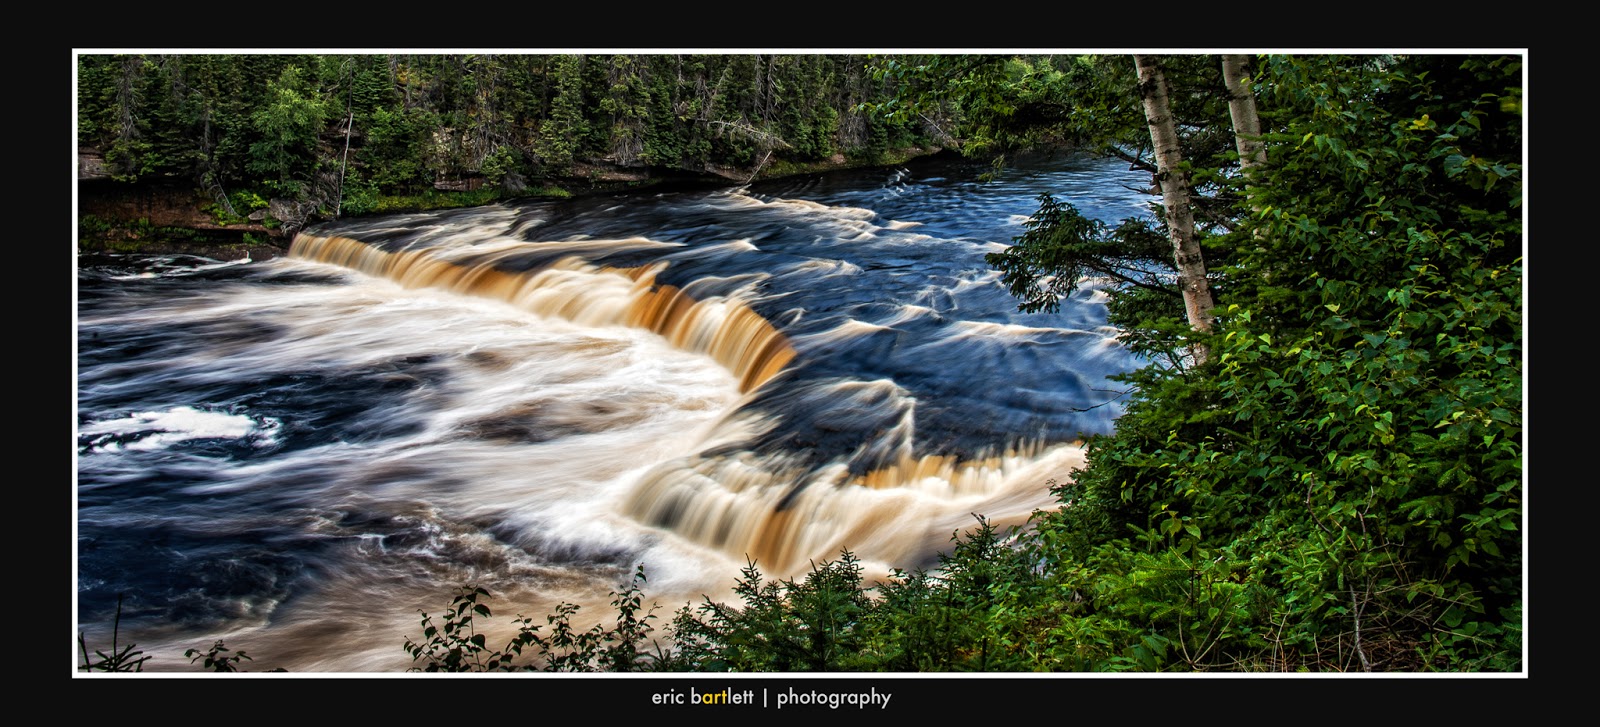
point(1135, 162)
point(764, 138)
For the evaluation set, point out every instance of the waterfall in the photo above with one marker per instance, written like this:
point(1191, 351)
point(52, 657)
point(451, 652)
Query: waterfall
point(722, 328)
point(780, 510)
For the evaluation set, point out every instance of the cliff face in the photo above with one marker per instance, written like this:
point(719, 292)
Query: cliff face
point(91, 165)
point(167, 217)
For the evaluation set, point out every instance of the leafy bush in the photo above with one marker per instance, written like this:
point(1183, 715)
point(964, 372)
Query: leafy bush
point(456, 645)
point(217, 658)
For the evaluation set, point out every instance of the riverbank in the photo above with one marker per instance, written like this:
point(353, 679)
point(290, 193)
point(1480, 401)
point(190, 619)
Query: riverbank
point(175, 219)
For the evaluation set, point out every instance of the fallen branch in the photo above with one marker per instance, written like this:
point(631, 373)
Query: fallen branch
point(765, 139)
point(759, 165)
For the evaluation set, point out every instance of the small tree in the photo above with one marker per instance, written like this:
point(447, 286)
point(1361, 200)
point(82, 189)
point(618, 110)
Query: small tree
point(217, 658)
point(288, 126)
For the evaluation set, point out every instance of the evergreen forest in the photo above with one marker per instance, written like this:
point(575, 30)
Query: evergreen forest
point(333, 135)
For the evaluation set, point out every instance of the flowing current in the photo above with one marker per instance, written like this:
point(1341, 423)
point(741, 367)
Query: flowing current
point(298, 455)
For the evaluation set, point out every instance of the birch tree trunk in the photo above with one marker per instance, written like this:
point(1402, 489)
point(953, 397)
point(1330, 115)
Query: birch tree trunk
point(1197, 301)
point(1246, 133)
point(1242, 109)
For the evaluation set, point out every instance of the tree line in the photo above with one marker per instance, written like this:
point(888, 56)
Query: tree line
point(336, 133)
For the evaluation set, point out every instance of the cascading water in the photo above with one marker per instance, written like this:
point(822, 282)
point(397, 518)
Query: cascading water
point(298, 455)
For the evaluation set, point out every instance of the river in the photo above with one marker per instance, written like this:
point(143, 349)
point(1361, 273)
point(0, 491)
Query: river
point(298, 455)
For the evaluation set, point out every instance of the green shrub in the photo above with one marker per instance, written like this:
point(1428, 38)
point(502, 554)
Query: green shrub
point(456, 646)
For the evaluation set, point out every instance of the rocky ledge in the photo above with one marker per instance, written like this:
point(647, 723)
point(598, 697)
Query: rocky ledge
point(175, 217)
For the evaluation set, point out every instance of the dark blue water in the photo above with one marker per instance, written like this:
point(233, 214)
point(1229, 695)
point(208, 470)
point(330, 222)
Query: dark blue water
point(297, 456)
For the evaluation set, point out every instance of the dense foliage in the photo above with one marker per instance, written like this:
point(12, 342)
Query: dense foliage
point(830, 620)
point(338, 133)
point(1340, 486)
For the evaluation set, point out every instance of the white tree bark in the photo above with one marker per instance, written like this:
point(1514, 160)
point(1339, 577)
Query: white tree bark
point(1246, 131)
point(1191, 264)
point(1242, 109)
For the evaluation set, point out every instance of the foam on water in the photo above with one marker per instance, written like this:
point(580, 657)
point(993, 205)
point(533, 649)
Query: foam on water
point(158, 429)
